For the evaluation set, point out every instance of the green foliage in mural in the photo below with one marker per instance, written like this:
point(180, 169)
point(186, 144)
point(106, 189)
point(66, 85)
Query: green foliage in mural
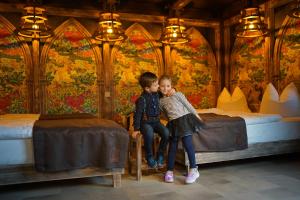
point(13, 82)
point(70, 74)
point(257, 75)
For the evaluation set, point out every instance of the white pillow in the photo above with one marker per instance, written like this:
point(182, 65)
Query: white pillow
point(287, 105)
point(235, 102)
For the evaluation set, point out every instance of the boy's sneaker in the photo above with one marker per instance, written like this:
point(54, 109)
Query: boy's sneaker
point(169, 177)
point(160, 161)
point(151, 163)
point(192, 176)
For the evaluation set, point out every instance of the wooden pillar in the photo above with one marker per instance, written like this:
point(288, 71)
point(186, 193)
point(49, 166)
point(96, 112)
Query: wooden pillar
point(167, 59)
point(270, 41)
point(108, 82)
point(227, 56)
point(36, 74)
point(218, 79)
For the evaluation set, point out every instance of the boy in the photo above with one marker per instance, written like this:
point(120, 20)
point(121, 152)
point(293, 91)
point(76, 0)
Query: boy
point(146, 119)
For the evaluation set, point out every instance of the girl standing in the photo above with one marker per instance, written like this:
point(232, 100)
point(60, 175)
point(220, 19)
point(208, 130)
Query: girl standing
point(183, 122)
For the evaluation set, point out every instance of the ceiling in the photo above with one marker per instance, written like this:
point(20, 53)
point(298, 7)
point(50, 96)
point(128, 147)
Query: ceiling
point(193, 9)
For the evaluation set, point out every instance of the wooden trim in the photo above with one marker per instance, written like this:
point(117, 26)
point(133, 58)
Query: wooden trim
point(94, 14)
point(17, 175)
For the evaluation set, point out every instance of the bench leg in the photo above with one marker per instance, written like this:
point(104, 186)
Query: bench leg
point(139, 158)
point(117, 180)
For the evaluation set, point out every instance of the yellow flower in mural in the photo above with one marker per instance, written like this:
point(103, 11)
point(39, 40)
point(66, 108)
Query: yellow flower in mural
point(62, 76)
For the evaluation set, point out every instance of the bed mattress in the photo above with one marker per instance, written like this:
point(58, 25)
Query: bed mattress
point(17, 126)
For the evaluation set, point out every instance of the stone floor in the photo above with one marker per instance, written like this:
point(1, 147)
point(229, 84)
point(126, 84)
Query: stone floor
point(261, 179)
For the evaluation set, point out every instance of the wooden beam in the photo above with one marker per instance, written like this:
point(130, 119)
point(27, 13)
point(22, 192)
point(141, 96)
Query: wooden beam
point(179, 4)
point(94, 14)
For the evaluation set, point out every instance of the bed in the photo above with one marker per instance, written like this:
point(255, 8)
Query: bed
point(267, 134)
point(17, 163)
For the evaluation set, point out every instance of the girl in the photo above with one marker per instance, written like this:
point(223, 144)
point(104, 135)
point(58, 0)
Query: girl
point(183, 122)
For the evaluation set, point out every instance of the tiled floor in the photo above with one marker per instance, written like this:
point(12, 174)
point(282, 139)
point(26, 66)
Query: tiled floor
point(261, 179)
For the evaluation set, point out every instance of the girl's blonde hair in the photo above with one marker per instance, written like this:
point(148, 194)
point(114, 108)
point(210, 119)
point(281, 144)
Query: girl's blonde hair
point(165, 77)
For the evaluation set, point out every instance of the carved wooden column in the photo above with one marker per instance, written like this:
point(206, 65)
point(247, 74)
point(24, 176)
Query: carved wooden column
point(108, 82)
point(227, 56)
point(218, 80)
point(167, 59)
point(36, 75)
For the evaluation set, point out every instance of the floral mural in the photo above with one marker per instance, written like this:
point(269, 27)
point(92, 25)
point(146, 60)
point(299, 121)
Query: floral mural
point(13, 75)
point(248, 69)
point(193, 70)
point(132, 57)
point(289, 55)
point(70, 73)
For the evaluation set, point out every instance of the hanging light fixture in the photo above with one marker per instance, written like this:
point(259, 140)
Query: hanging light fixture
point(34, 23)
point(295, 9)
point(174, 32)
point(251, 23)
point(109, 27)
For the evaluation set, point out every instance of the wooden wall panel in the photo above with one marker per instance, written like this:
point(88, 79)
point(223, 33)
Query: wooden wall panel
point(137, 54)
point(287, 51)
point(15, 71)
point(70, 68)
point(194, 70)
point(249, 69)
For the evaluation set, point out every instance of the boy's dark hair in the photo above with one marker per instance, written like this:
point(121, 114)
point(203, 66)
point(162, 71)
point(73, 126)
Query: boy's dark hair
point(146, 79)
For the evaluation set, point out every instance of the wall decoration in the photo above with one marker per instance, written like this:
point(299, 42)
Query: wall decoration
point(14, 71)
point(194, 70)
point(137, 54)
point(289, 59)
point(70, 71)
point(248, 69)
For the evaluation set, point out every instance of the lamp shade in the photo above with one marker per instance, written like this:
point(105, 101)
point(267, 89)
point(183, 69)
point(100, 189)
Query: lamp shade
point(34, 23)
point(251, 23)
point(174, 32)
point(109, 28)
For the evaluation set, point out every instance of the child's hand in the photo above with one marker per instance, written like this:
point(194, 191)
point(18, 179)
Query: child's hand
point(134, 134)
point(172, 91)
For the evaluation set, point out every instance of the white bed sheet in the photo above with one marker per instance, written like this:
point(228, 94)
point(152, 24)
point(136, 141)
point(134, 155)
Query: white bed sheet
point(17, 126)
point(16, 152)
point(285, 129)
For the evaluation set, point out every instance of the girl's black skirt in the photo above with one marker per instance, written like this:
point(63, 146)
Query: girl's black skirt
point(185, 125)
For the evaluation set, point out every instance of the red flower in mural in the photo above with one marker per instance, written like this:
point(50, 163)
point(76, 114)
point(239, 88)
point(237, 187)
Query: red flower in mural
point(138, 40)
point(194, 99)
point(4, 33)
point(134, 98)
point(73, 36)
point(5, 102)
point(75, 101)
point(194, 43)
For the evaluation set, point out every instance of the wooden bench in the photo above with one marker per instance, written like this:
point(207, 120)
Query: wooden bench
point(135, 154)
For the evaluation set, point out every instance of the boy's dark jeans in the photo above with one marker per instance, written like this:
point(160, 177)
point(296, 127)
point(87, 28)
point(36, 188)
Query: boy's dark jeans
point(148, 129)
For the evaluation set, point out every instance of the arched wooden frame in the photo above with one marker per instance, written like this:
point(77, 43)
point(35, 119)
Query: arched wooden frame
point(98, 59)
point(27, 58)
point(277, 48)
point(154, 45)
point(215, 71)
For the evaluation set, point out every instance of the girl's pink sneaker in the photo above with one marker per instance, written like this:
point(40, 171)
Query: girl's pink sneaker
point(169, 177)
